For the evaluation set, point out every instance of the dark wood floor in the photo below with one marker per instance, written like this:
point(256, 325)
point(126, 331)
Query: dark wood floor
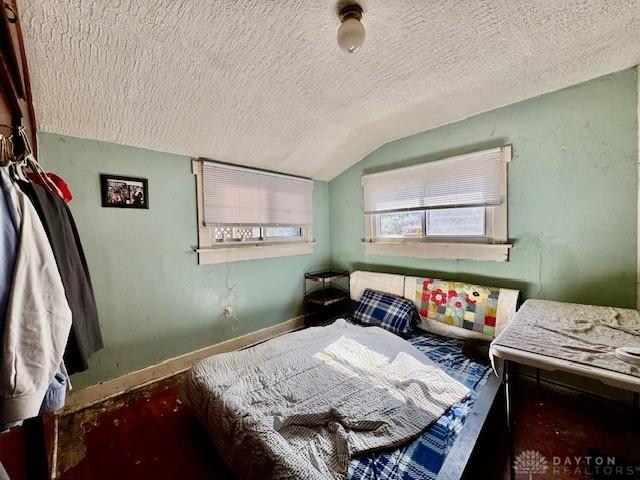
point(145, 434)
point(149, 434)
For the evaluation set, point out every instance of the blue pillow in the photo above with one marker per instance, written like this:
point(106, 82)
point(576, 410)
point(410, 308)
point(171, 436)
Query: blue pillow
point(396, 314)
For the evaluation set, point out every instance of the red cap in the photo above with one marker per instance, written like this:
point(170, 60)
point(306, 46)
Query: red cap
point(62, 186)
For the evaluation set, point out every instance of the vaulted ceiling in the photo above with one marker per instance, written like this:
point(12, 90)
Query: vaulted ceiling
point(263, 83)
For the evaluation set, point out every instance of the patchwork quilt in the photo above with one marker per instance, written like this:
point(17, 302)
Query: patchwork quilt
point(422, 458)
point(462, 305)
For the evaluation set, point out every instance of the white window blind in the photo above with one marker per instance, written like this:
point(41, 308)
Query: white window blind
point(242, 196)
point(474, 179)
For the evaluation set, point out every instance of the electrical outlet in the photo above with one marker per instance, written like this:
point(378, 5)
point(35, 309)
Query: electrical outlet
point(228, 311)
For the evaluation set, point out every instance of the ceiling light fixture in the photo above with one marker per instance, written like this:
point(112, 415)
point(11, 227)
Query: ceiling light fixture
point(351, 33)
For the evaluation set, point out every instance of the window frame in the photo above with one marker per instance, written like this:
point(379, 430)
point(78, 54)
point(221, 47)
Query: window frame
point(212, 251)
point(492, 246)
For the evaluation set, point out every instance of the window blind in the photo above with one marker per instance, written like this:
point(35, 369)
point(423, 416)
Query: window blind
point(474, 179)
point(242, 196)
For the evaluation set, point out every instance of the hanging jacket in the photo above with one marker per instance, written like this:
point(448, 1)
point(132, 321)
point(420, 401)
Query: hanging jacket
point(37, 324)
point(10, 219)
point(61, 186)
point(8, 247)
point(11, 195)
point(85, 338)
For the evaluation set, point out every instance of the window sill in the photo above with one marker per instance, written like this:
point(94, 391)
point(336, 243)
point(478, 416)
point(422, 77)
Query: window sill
point(451, 251)
point(238, 253)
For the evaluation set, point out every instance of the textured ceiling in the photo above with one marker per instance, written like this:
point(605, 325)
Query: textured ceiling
point(263, 83)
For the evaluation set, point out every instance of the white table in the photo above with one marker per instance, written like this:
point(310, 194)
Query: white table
point(506, 356)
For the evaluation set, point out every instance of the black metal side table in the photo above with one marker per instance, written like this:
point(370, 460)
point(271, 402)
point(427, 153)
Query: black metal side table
point(330, 297)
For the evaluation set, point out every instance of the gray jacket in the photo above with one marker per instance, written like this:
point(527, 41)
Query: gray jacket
point(37, 324)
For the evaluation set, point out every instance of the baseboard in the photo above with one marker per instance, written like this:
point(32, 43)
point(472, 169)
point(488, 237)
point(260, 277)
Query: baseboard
point(85, 397)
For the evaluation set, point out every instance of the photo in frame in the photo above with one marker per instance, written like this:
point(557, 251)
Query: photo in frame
point(124, 192)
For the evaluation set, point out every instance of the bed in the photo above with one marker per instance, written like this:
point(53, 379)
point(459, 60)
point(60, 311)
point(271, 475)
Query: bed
point(424, 457)
point(347, 401)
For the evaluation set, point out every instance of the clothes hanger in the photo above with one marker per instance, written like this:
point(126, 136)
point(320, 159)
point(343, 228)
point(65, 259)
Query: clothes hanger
point(17, 163)
point(29, 160)
point(8, 150)
point(17, 152)
point(5, 159)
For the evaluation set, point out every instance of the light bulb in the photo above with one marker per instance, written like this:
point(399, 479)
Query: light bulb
point(351, 35)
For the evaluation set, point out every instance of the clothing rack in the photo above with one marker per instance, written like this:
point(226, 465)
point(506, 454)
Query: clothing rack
point(17, 116)
point(15, 87)
point(35, 431)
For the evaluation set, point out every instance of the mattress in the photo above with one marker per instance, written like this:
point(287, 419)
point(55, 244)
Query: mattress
point(303, 404)
point(422, 458)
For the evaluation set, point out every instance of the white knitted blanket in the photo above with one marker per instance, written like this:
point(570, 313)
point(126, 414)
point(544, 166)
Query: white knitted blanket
point(301, 405)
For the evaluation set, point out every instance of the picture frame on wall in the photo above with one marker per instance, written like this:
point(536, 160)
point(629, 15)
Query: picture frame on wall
point(124, 192)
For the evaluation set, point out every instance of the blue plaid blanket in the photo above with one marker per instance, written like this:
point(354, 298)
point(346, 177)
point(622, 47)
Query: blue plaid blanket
point(422, 458)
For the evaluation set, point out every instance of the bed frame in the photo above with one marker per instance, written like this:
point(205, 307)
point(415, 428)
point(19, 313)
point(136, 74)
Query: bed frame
point(459, 459)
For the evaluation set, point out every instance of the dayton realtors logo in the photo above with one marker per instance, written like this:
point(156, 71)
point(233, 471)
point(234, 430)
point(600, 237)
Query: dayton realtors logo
point(532, 465)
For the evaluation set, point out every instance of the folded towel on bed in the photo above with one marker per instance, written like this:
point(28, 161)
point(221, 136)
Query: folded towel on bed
point(301, 405)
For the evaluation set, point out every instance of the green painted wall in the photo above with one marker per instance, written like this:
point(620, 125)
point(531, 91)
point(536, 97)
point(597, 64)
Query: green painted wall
point(154, 301)
point(572, 217)
point(572, 194)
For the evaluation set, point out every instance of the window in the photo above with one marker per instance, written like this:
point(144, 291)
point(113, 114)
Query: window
point(448, 222)
point(458, 200)
point(256, 233)
point(456, 222)
point(240, 209)
point(401, 225)
point(283, 232)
